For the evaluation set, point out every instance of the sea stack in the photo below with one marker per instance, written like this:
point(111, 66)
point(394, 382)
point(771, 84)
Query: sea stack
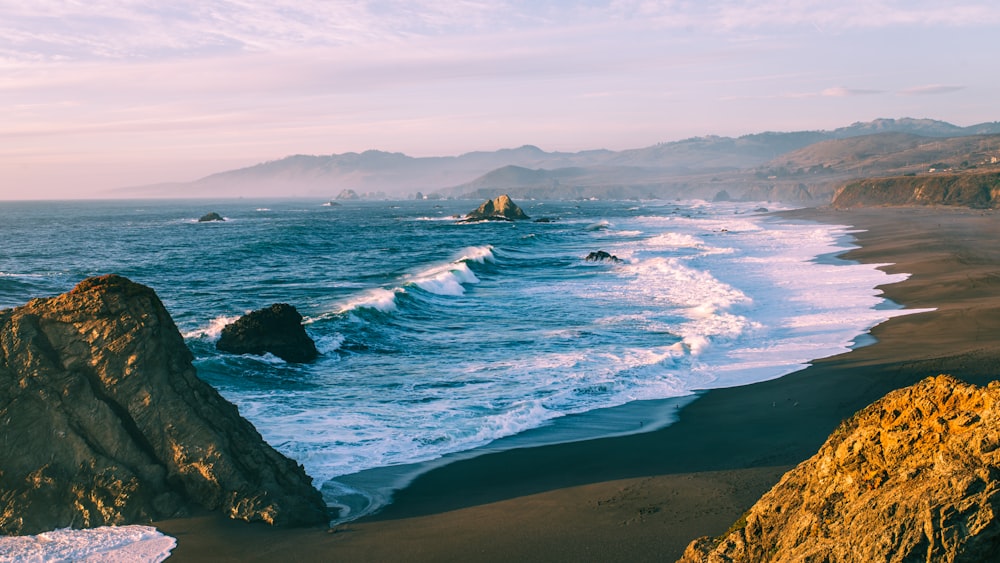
point(209, 217)
point(276, 330)
point(106, 423)
point(499, 209)
point(912, 477)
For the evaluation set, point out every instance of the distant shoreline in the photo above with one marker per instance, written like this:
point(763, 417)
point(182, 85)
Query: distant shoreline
point(645, 496)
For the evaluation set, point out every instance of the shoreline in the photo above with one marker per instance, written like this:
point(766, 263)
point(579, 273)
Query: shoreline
point(645, 496)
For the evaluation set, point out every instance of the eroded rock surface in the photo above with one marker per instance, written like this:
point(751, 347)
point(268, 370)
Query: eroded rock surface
point(103, 421)
point(912, 477)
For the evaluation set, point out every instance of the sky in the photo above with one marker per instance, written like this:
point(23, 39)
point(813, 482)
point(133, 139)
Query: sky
point(102, 94)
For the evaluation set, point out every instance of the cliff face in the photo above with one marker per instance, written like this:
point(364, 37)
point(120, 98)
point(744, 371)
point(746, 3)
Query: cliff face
point(103, 421)
point(978, 191)
point(912, 477)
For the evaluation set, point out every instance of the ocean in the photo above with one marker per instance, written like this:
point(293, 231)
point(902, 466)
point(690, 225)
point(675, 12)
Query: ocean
point(441, 338)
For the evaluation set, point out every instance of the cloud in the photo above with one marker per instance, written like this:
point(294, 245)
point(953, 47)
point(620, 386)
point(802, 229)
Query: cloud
point(115, 29)
point(144, 29)
point(733, 15)
point(930, 89)
point(834, 92)
point(841, 92)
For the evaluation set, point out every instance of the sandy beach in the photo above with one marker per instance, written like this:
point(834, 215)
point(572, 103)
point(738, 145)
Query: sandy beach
point(645, 497)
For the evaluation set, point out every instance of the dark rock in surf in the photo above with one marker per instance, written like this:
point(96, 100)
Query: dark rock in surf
point(105, 422)
point(602, 256)
point(722, 195)
point(544, 220)
point(499, 209)
point(277, 330)
point(209, 217)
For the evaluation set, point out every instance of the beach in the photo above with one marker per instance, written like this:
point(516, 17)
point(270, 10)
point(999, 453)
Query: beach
point(644, 497)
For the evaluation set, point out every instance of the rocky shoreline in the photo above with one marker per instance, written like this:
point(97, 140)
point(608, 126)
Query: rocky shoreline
point(635, 498)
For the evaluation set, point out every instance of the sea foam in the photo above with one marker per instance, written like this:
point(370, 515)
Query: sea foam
point(108, 544)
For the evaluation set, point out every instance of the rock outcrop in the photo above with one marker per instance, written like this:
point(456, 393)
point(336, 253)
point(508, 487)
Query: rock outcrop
point(913, 477)
point(209, 217)
point(602, 256)
point(966, 189)
point(104, 421)
point(276, 329)
point(498, 209)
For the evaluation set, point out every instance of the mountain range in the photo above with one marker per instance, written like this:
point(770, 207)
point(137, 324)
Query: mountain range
point(801, 165)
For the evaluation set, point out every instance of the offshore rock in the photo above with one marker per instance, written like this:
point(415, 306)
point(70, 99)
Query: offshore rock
point(208, 217)
point(103, 421)
point(912, 477)
point(277, 330)
point(602, 256)
point(499, 209)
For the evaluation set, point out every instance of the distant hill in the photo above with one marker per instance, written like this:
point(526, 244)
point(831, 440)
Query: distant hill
point(760, 165)
point(922, 127)
point(892, 153)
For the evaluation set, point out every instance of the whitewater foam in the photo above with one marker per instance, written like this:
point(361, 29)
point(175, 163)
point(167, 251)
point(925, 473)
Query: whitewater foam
point(213, 331)
point(108, 544)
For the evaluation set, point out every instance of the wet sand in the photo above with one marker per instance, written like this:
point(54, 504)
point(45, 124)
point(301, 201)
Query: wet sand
point(644, 497)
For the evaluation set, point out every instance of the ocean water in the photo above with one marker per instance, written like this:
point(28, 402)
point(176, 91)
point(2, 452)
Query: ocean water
point(440, 337)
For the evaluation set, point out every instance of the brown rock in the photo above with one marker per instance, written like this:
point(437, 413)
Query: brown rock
point(912, 477)
point(501, 208)
point(104, 421)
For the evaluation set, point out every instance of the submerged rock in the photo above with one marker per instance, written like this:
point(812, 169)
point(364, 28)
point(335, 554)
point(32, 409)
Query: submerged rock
point(602, 256)
point(277, 330)
point(208, 217)
point(104, 422)
point(912, 477)
point(499, 209)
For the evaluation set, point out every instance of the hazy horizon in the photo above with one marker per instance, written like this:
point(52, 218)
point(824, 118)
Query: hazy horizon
point(118, 94)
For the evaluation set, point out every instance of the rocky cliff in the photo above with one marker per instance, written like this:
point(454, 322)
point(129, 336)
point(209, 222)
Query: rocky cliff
point(912, 477)
point(975, 190)
point(104, 421)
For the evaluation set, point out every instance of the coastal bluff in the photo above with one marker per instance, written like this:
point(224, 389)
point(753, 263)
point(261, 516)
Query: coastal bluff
point(105, 422)
point(915, 476)
point(966, 189)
